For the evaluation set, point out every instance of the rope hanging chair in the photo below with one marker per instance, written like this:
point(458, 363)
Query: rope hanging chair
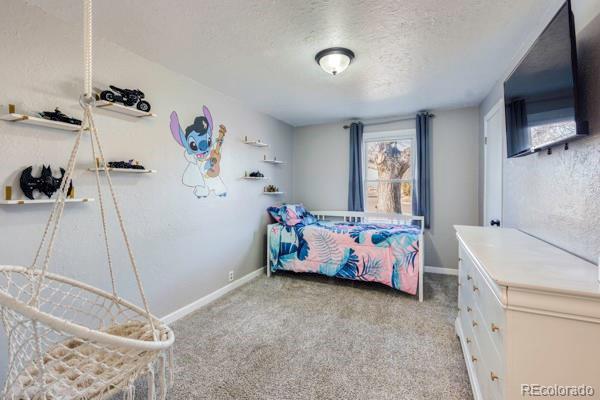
point(69, 340)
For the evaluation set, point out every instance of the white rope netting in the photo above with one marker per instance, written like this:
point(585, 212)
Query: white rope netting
point(67, 339)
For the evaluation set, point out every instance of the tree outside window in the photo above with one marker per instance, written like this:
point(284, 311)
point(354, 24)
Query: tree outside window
point(388, 174)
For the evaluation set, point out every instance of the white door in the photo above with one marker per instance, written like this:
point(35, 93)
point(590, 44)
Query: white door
point(494, 133)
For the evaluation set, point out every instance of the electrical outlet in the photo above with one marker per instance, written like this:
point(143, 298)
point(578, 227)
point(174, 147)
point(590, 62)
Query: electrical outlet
point(230, 276)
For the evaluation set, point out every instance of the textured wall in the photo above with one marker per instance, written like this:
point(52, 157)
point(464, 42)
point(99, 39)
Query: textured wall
point(184, 246)
point(321, 174)
point(557, 197)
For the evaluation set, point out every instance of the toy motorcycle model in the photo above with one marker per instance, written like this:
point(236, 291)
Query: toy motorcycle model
point(128, 97)
point(57, 115)
point(131, 164)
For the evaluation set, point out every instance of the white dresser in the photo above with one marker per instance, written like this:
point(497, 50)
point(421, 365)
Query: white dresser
point(529, 314)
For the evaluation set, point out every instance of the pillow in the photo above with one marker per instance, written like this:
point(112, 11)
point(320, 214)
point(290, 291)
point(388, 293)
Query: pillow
point(274, 213)
point(292, 214)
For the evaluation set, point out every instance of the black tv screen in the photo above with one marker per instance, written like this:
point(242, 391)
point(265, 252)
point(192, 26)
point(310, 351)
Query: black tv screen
point(540, 96)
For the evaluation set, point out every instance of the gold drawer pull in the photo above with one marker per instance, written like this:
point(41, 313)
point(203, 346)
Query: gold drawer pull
point(469, 277)
point(495, 328)
point(469, 309)
point(474, 359)
point(475, 288)
point(468, 341)
point(474, 323)
point(493, 376)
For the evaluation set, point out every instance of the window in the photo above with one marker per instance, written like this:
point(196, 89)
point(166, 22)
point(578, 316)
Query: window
point(388, 176)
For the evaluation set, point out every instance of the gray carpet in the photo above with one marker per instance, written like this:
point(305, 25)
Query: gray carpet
point(312, 337)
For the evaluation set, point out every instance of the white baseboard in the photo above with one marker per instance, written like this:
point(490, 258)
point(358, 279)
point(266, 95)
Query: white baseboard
point(441, 270)
point(209, 298)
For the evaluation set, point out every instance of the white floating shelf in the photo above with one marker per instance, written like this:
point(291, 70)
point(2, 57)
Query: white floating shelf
point(255, 178)
point(21, 202)
point(274, 161)
point(131, 111)
point(30, 120)
point(273, 193)
point(125, 170)
point(256, 143)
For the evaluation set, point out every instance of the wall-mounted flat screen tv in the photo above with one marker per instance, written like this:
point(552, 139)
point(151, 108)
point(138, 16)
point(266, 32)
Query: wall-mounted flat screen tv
point(540, 96)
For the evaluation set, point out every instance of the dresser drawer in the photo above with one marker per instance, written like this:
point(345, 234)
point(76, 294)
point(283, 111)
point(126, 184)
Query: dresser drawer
point(476, 360)
point(475, 289)
point(491, 389)
point(483, 321)
point(466, 269)
point(467, 329)
point(492, 314)
point(493, 359)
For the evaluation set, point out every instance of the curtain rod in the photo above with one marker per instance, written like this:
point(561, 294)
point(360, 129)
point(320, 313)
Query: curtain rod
point(390, 121)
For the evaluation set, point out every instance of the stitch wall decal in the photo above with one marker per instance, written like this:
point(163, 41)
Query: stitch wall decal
point(202, 153)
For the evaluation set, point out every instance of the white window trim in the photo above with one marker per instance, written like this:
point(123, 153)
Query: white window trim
point(400, 134)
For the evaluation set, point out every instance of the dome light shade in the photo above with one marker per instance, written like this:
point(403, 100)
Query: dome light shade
point(335, 59)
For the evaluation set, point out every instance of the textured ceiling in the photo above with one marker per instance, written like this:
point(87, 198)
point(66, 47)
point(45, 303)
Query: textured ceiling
point(410, 54)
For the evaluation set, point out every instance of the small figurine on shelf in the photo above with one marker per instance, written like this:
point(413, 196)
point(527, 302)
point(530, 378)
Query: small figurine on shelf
point(8, 193)
point(128, 97)
point(58, 116)
point(257, 174)
point(131, 164)
point(271, 189)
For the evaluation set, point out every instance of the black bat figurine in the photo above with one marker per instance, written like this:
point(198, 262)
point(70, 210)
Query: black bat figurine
point(46, 183)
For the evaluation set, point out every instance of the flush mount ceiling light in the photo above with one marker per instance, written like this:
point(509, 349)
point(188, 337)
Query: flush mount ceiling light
point(335, 59)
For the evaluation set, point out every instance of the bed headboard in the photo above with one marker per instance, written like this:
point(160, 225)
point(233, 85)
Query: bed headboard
point(361, 216)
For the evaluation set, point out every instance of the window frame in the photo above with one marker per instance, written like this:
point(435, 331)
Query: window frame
point(409, 134)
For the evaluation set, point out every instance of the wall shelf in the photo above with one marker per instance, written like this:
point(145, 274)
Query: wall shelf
point(273, 193)
point(20, 202)
point(255, 143)
point(125, 170)
point(255, 178)
point(274, 161)
point(30, 120)
point(119, 108)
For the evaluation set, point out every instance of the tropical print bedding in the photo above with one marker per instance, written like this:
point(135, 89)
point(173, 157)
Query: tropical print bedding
point(383, 253)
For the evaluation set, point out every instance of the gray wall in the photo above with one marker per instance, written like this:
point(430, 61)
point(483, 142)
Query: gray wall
point(321, 166)
point(556, 197)
point(184, 246)
point(321, 174)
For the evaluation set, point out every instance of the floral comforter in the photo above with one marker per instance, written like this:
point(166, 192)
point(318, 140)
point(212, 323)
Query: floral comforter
point(387, 254)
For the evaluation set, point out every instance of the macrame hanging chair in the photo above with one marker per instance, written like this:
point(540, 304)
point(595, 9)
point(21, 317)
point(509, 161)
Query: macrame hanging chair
point(70, 340)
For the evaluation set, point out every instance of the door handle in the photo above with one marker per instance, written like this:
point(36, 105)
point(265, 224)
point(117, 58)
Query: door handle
point(495, 222)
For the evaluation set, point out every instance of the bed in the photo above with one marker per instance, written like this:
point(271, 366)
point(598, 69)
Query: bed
point(384, 248)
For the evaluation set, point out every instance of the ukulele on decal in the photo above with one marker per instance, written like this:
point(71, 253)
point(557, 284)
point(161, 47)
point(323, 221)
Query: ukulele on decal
point(215, 155)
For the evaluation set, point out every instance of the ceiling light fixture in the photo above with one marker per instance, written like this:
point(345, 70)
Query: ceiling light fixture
point(335, 59)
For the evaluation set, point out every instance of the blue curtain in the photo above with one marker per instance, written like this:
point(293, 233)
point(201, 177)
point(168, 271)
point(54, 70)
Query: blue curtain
point(422, 188)
point(355, 186)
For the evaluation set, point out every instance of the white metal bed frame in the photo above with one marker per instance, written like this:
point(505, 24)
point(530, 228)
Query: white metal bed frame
point(364, 217)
